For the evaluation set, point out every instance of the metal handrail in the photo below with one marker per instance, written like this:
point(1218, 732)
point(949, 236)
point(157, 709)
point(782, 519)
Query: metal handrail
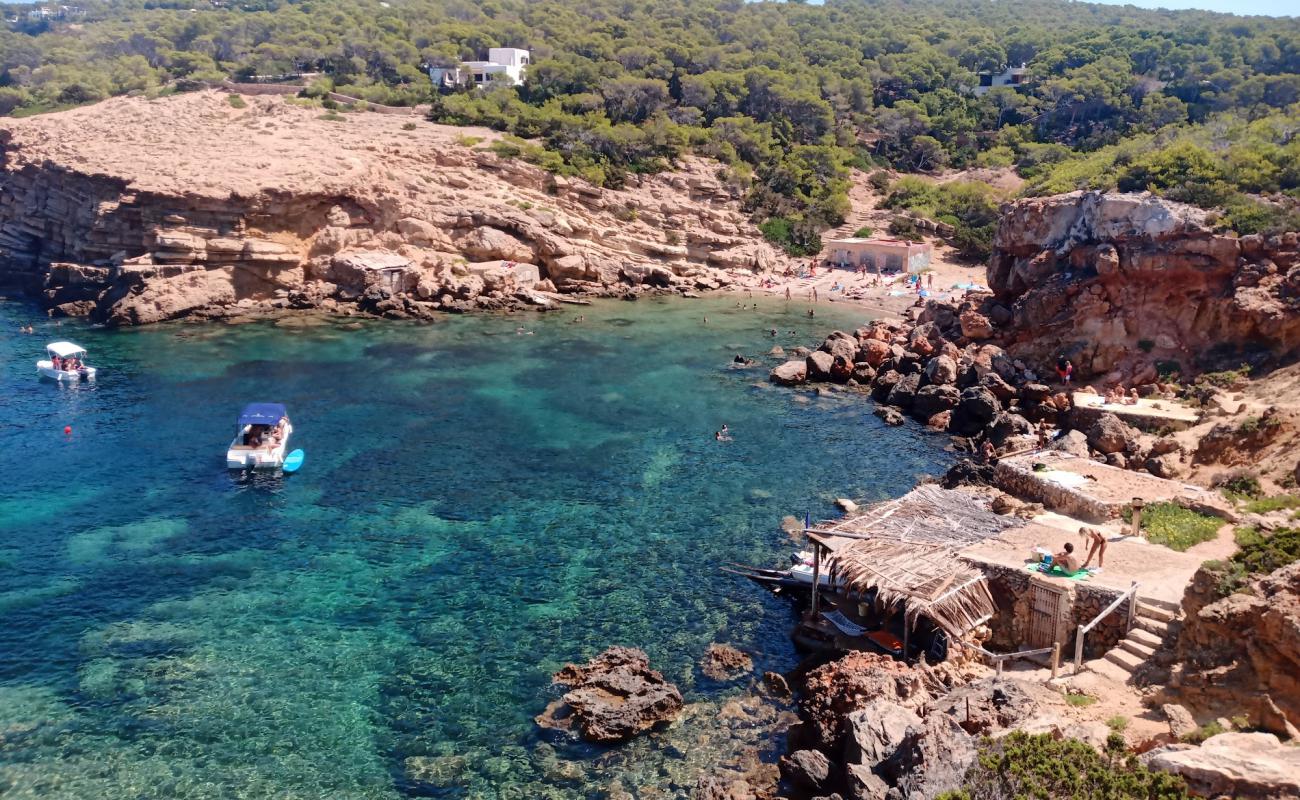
point(1000, 658)
point(1130, 592)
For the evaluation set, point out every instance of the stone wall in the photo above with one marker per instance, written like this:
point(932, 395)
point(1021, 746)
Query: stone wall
point(1017, 478)
point(1010, 589)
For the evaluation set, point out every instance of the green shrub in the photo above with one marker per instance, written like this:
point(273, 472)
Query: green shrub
point(1079, 700)
point(1241, 485)
point(1176, 527)
point(863, 233)
point(1260, 553)
point(1117, 723)
point(1225, 379)
point(1204, 732)
point(1021, 765)
point(333, 116)
point(879, 180)
point(465, 140)
point(236, 101)
point(408, 126)
point(1264, 505)
point(905, 228)
point(795, 238)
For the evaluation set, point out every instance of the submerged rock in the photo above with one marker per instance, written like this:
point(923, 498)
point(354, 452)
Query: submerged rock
point(722, 662)
point(613, 697)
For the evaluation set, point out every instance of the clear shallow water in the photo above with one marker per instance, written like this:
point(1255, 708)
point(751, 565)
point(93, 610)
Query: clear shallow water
point(477, 508)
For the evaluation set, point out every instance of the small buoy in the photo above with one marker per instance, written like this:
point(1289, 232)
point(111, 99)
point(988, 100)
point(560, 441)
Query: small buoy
point(67, 430)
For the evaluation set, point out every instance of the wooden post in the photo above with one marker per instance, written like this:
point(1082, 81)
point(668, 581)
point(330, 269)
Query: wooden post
point(999, 675)
point(1132, 606)
point(1078, 651)
point(817, 578)
point(1138, 505)
point(1056, 658)
point(906, 629)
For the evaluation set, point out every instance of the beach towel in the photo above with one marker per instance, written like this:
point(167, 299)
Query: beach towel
point(1057, 572)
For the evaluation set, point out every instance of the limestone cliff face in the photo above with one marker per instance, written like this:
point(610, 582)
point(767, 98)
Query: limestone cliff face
point(136, 211)
point(1241, 654)
point(1119, 282)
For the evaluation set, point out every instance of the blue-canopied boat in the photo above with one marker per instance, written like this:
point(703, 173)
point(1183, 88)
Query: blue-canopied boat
point(262, 439)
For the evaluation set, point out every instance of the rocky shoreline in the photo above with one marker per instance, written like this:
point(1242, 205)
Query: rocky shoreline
point(375, 217)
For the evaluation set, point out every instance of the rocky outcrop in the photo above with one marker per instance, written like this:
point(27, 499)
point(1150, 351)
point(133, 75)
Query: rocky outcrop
point(230, 211)
point(1119, 283)
point(1240, 654)
point(1255, 766)
point(613, 697)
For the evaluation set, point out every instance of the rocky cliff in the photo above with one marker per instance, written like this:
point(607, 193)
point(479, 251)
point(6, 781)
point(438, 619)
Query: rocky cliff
point(138, 210)
point(1240, 654)
point(1120, 283)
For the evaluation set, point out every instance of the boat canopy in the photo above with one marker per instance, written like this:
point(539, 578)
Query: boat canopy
point(65, 349)
point(262, 414)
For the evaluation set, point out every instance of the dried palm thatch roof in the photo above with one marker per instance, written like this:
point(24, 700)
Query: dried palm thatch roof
point(906, 550)
point(927, 578)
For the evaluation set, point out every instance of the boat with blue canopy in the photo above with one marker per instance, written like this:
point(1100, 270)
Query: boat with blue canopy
point(262, 439)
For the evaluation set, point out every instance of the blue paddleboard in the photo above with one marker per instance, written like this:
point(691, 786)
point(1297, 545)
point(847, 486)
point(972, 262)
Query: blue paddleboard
point(294, 460)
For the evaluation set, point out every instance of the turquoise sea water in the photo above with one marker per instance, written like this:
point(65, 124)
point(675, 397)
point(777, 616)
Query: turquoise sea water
point(477, 507)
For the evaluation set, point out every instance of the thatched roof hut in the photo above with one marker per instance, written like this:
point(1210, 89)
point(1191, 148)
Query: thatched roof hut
point(906, 550)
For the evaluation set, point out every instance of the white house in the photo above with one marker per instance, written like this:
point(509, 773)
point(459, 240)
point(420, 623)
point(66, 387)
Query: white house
point(505, 64)
point(1011, 76)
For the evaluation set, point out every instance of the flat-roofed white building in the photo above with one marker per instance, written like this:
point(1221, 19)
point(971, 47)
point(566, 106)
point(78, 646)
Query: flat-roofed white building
point(505, 64)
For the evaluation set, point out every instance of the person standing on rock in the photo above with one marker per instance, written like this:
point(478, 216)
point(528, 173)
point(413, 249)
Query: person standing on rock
point(1064, 370)
point(787, 292)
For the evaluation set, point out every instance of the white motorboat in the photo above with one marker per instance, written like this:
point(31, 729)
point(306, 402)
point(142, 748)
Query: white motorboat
point(64, 363)
point(263, 438)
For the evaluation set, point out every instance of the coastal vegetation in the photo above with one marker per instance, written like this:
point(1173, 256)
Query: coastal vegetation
point(1259, 553)
point(1027, 765)
point(1177, 527)
point(787, 96)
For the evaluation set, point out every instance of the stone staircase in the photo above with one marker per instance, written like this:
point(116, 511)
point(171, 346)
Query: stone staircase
point(1151, 630)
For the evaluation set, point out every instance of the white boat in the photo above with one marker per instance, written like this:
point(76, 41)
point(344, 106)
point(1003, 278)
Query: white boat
point(263, 438)
point(64, 363)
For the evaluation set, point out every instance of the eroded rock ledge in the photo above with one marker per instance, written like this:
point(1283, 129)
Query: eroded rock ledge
point(134, 211)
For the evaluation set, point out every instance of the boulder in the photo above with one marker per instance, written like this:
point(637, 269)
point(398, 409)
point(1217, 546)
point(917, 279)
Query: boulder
point(487, 243)
point(1108, 434)
point(904, 391)
point(833, 691)
point(976, 408)
point(975, 325)
point(873, 734)
point(722, 662)
point(1006, 425)
point(1239, 765)
point(841, 344)
point(1167, 466)
point(1035, 392)
point(1073, 442)
point(884, 383)
point(819, 365)
point(614, 697)
point(931, 400)
point(863, 373)
point(719, 787)
point(791, 373)
point(890, 416)
point(941, 370)
point(1180, 719)
point(940, 421)
point(863, 784)
point(807, 769)
point(874, 352)
point(1002, 390)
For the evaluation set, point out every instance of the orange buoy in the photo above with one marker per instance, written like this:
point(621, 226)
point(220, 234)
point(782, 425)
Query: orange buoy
point(67, 430)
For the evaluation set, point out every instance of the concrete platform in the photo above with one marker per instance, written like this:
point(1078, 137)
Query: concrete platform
point(1086, 489)
point(1146, 415)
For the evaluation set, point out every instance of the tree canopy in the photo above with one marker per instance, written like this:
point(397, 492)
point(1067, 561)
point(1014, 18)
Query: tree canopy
point(787, 95)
